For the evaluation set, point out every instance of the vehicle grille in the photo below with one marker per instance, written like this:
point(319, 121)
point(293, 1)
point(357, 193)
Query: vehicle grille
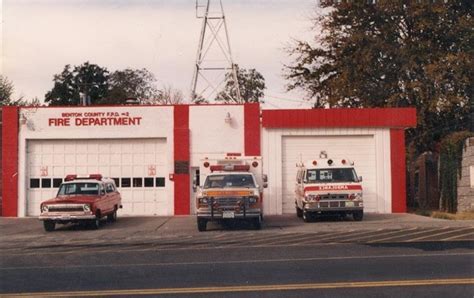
point(66, 208)
point(227, 201)
point(334, 197)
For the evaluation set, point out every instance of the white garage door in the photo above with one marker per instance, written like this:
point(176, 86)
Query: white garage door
point(139, 167)
point(360, 149)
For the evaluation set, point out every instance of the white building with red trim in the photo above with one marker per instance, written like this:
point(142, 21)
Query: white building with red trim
point(153, 152)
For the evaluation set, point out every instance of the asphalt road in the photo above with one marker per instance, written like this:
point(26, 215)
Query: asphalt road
point(398, 269)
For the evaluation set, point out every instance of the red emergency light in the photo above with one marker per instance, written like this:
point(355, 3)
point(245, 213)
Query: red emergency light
point(91, 176)
point(230, 168)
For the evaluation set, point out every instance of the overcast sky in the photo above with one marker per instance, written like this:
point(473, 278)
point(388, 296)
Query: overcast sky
point(41, 36)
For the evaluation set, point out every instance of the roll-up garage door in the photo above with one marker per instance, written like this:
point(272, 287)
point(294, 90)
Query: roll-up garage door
point(360, 149)
point(138, 166)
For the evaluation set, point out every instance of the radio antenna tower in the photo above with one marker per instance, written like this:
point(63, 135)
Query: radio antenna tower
point(214, 61)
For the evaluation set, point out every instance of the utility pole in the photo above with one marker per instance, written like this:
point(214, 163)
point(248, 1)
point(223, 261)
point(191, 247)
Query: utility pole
point(214, 55)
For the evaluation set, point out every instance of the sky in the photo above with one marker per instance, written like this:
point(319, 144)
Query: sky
point(39, 37)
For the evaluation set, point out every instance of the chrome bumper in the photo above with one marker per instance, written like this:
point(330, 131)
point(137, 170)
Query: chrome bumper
point(66, 217)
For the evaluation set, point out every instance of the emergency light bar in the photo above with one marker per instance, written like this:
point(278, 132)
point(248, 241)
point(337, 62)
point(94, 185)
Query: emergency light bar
point(230, 168)
point(91, 176)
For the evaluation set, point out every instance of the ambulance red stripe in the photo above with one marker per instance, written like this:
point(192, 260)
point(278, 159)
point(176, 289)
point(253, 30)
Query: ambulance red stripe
point(333, 187)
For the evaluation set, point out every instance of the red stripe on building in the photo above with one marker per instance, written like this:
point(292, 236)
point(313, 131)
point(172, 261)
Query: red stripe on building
point(379, 117)
point(181, 159)
point(10, 161)
point(330, 187)
point(397, 152)
point(252, 129)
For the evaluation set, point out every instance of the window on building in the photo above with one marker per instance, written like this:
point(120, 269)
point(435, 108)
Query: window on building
point(57, 182)
point(137, 182)
point(149, 182)
point(160, 182)
point(117, 181)
point(34, 183)
point(45, 183)
point(126, 182)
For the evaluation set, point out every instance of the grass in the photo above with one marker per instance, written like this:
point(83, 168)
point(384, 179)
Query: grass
point(445, 215)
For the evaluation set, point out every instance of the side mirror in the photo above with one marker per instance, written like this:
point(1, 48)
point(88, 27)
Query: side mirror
point(194, 187)
point(265, 184)
point(265, 178)
point(360, 178)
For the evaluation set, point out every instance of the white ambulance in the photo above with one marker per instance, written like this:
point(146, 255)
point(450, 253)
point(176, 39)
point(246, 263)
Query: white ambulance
point(328, 186)
point(232, 189)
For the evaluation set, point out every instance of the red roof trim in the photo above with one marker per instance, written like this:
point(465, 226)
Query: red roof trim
point(377, 117)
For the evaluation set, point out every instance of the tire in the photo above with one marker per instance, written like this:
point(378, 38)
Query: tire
point(95, 223)
point(202, 224)
point(112, 217)
point(257, 223)
point(307, 217)
point(299, 212)
point(49, 225)
point(358, 215)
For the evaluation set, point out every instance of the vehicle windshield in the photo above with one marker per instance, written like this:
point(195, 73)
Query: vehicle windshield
point(331, 175)
point(80, 188)
point(226, 181)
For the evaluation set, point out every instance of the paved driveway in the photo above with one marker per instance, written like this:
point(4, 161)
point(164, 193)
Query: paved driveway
point(179, 231)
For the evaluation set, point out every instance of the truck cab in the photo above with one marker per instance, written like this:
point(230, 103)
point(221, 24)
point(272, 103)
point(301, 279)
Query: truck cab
point(328, 186)
point(232, 189)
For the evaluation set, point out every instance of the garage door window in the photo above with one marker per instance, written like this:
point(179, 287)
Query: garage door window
point(160, 182)
point(57, 182)
point(149, 182)
point(45, 183)
point(34, 183)
point(137, 182)
point(126, 182)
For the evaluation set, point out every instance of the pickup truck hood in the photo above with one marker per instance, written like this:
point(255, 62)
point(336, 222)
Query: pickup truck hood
point(71, 199)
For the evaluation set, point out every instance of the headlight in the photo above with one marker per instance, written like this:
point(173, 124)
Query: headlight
point(44, 208)
point(203, 200)
point(312, 198)
point(87, 207)
point(252, 200)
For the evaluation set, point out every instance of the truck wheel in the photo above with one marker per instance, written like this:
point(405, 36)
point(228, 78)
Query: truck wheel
point(358, 215)
point(202, 224)
point(49, 225)
point(257, 223)
point(299, 212)
point(112, 217)
point(307, 217)
point(95, 223)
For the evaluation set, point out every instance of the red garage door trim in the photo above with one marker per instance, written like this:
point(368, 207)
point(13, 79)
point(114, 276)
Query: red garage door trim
point(252, 129)
point(397, 152)
point(10, 161)
point(378, 117)
point(181, 156)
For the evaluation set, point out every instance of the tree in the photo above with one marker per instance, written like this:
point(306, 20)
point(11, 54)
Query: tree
point(131, 83)
point(166, 96)
point(251, 86)
point(89, 80)
point(6, 90)
point(389, 54)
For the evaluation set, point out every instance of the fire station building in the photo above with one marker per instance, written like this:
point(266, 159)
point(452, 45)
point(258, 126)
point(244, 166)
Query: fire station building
point(153, 152)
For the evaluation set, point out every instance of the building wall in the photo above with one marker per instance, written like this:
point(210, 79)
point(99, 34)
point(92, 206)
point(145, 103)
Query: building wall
point(272, 162)
point(466, 182)
point(70, 123)
point(423, 182)
point(1, 184)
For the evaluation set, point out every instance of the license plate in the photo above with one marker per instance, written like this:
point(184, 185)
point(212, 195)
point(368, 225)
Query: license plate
point(349, 204)
point(228, 214)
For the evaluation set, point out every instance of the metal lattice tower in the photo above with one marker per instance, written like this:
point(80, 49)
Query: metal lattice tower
point(214, 54)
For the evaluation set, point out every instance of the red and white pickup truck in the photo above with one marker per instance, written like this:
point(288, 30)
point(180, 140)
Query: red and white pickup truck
point(82, 199)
